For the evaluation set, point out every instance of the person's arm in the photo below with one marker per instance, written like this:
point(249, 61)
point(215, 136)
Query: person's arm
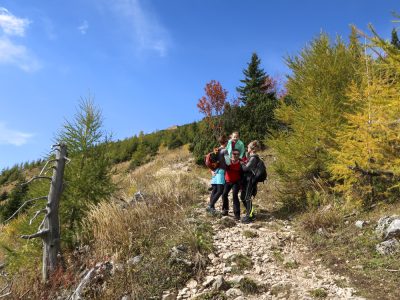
point(251, 164)
point(241, 148)
point(229, 149)
point(227, 159)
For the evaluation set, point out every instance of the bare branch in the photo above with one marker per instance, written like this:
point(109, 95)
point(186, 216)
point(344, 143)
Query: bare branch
point(22, 206)
point(36, 214)
point(8, 286)
point(40, 228)
point(4, 288)
point(5, 295)
point(357, 168)
point(35, 235)
point(35, 178)
point(23, 295)
point(44, 167)
point(77, 293)
point(68, 160)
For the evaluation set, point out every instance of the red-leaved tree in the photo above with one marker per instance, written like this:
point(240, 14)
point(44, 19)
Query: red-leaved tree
point(212, 105)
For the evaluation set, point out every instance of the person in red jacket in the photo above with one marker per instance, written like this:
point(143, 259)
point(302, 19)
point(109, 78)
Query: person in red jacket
point(232, 182)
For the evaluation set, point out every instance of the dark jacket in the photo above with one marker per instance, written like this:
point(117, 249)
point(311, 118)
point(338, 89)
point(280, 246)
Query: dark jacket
point(222, 154)
point(251, 165)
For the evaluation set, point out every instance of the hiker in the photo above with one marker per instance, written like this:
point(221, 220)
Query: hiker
point(218, 175)
point(232, 182)
point(235, 143)
point(249, 184)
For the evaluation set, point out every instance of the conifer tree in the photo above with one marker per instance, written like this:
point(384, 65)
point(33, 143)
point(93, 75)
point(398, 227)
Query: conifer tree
point(369, 145)
point(317, 87)
point(254, 81)
point(258, 96)
point(395, 39)
point(366, 164)
point(88, 174)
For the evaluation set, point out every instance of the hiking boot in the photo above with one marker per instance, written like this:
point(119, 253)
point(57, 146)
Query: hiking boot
point(237, 218)
point(224, 213)
point(211, 210)
point(247, 219)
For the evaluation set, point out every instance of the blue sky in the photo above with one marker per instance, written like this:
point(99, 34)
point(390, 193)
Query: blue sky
point(146, 61)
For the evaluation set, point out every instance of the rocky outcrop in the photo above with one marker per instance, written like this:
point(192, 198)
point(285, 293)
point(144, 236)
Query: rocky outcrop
point(388, 228)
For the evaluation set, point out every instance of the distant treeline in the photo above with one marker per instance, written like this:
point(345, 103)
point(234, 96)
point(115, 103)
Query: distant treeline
point(15, 172)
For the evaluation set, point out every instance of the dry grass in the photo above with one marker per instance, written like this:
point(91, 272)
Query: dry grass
point(325, 218)
point(351, 251)
point(151, 228)
point(121, 229)
point(112, 229)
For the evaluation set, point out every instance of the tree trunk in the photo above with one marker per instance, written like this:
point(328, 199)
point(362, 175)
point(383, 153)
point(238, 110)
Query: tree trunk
point(51, 241)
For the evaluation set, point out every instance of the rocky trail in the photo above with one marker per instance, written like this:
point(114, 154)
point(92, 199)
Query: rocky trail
point(263, 260)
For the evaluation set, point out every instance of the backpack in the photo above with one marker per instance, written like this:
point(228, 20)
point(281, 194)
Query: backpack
point(260, 171)
point(211, 159)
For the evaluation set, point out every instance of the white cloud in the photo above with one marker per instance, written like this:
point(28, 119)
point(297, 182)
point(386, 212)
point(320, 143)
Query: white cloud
point(13, 137)
point(83, 27)
point(11, 24)
point(148, 31)
point(19, 55)
point(11, 52)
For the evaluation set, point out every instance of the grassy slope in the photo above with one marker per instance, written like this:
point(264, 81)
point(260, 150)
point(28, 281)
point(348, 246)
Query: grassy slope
point(345, 248)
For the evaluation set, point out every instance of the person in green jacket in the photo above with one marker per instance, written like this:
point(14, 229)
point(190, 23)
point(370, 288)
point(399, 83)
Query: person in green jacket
point(235, 143)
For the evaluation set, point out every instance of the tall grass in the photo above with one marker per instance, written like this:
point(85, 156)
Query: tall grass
point(150, 228)
point(114, 230)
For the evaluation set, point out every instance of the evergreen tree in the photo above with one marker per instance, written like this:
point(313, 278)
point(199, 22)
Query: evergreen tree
point(395, 39)
point(88, 174)
point(16, 198)
point(254, 81)
point(317, 88)
point(258, 96)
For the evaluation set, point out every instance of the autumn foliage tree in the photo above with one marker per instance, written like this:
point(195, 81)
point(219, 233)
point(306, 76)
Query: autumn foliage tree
point(366, 164)
point(212, 105)
point(317, 87)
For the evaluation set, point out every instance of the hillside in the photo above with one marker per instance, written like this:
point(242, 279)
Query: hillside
point(127, 219)
point(156, 238)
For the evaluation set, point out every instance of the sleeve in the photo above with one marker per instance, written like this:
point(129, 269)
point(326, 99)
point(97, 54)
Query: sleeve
point(229, 149)
point(226, 157)
point(251, 164)
point(241, 149)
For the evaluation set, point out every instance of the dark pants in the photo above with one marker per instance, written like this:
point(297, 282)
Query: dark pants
point(235, 191)
point(216, 192)
point(249, 189)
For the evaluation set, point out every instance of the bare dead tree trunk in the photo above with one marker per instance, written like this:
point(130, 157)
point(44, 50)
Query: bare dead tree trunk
point(49, 228)
point(51, 241)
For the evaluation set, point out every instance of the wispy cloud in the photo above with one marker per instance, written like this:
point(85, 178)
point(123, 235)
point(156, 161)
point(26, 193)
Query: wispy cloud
point(11, 25)
point(13, 137)
point(149, 33)
point(83, 27)
point(10, 51)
